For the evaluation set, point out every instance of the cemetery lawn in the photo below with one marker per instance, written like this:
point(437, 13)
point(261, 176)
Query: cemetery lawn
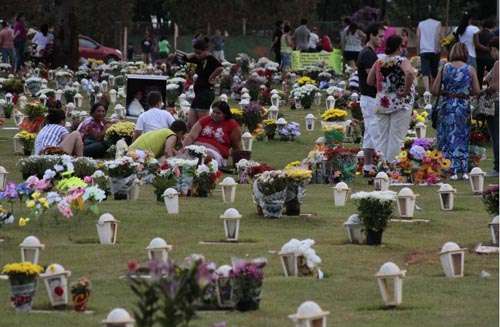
point(349, 290)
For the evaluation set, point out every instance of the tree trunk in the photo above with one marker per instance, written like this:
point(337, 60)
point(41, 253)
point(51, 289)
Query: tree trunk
point(66, 50)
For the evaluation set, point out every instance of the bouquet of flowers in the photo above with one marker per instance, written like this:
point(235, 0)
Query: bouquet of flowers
point(123, 129)
point(289, 132)
point(205, 179)
point(334, 133)
point(252, 115)
point(490, 199)
point(270, 128)
point(122, 167)
point(22, 278)
point(254, 169)
point(80, 292)
point(34, 110)
point(295, 190)
point(305, 94)
point(238, 115)
point(28, 141)
point(303, 80)
point(247, 279)
point(172, 94)
point(164, 177)
point(187, 168)
point(271, 182)
point(334, 114)
point(343, 162)
point(37, 204)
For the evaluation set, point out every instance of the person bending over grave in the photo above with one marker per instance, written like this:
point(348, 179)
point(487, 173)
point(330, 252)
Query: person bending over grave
point(218, 132)
point(162, 142)
point(55, 135)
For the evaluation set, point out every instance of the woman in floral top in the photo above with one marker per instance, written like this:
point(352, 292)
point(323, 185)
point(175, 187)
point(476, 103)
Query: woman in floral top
point(393, 76)
point(92, 130)
point(219, 133)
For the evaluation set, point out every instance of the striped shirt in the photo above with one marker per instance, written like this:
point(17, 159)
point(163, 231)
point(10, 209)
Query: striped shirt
point(50, 135)
point(354, 81)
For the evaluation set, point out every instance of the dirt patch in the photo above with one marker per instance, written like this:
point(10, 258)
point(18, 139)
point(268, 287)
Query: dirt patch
point(418, 257)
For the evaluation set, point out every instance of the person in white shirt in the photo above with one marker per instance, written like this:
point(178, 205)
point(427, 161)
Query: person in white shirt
point(428, 47)
point(465, 33)
point(313, 40)
point(135, 107)
point(40, 40)
point(154, 118)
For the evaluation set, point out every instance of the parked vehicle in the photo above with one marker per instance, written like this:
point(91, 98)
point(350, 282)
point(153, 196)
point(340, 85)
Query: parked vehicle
point(91, 49)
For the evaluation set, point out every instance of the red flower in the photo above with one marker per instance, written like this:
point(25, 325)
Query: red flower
point(385, 102)
point(59, 291)
point(132, 266)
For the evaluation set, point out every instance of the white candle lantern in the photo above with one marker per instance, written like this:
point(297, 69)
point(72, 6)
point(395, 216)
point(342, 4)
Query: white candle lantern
point(243, 103)
point(107, 229)
point(112, 96)
point(317, 98)
point(330, 102)
point(246, 96)
point(381, 182)
point(390, 283)
point(171, 199)
point(354, 97)
point(355, 229)
point(76, 85)
point(3, 178)
point(70, 107)
point(223, 97)
point(104, 86)
point(30, 249)
point(275, 100)
point(228, 186)
point(290, 263)
point(158, 249)
point(452, 260)
point(309, 314)
point(111, 80)
point(18, 142)
point(477, 180)
point(59, 94)
point(78, 100)
point(427, 97)
point(280, 123)
point(119, 110)
point(9, 97)
point(340, 192)
point(310, 121)
point(22, 101)
point(494, 227)
point(44, 83)
point(118, 318)
point(446, 197)
point(231, 219)
point(247, 141)
point(406, 202)
point(55, 279)
point(225, 292)
point(273, 112)
point(420, 130)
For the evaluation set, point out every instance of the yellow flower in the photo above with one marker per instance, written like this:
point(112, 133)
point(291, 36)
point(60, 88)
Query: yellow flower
point(30, 204)
point(435, 154)
point(23, 221)
point(403, 155)
point(292, 164)
point(446, 163)
point(36, 195)
point(25, 268)
point(298, 174)
point(334, 114)
point(268, 122)
point(305, 80)
point(44, 202)
point(236, 112)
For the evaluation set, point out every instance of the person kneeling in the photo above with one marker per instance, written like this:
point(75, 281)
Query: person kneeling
point(55, 135)
point(163, 141)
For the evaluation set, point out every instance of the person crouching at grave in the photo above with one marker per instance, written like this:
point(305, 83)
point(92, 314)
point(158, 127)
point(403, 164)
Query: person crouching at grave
point(163, 142)
point(219, 133)
point(93, 129)
point(55, 135)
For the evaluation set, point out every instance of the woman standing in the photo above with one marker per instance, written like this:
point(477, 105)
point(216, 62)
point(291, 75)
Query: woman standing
point(20, 34)
point(353, 44)
point(286, 48)
point(393, 77)
point(459, 82)
point(92, 130)
point(493, 90)
point(465, 33)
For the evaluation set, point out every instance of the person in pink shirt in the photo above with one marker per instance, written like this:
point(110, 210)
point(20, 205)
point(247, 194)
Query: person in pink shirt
point(20, 34)
point(7, 43)
point(388, 32)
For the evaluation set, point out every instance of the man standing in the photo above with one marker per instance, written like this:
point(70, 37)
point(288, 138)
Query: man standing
point(301, 36)
point(218, 46)
point(367, 57)
point(428, 47)
point(276, 46)
point(314, 40)
point(481, 41)
point(147, 48)
point(7, 43)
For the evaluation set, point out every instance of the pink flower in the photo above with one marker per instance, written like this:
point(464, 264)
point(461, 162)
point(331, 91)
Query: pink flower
point(88, 179)
point(64, 208)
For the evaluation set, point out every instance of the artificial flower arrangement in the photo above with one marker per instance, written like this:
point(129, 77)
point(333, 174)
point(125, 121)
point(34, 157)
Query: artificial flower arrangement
point(270, 128)
point(334, 133)
point(121, 130)
point(305, 94)
point(419, 162)
point(269, 193)
point(187, 169)
point(342, 161)
point(303, 80)
point(27, 140)
point(123, 175)
point(163, 176)
point(247, 278)
point(253, 114)
point(80, 292)
point(237, 115)
point(308, 261)
point(34, 110)
point(490, 199)
point(479, 140)
point(205, 178)
point(297, 177)
point(289, 132)
point(375, 210)
point(271, 182)
point(172, 94)
point(334, 114)
point(56, 165)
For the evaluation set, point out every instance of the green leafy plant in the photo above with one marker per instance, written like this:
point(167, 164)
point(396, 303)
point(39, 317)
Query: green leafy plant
point(490, 199)
point(375, 208)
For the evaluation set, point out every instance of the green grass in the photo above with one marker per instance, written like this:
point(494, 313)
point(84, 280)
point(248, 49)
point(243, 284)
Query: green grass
point(349, 292)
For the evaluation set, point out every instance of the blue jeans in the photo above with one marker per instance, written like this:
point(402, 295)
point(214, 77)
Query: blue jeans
point(7, 56)
point(19, 46)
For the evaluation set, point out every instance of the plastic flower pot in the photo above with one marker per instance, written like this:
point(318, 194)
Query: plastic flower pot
point(374, 237)
point(22, 295)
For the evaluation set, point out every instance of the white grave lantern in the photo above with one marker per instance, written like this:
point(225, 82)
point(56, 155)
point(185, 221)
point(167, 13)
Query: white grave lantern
point(3, 178)
point(158, 249)
point(354, 97)
point(18, 142)
point(223, 97)
point(78, 100)
point(30, 249)
point(494, 227)
point(9, 97)
point(247, 141)
point(243, 103)
point(118, 318)
point(70, 107)
point(228, 186)
point(246, 96)
point(477, 180)
point(112, 96)
point(273, 112)
point(119, 110)
point(310, 120)
point(330, 102)
point(390, 283)
point(289, 263)
point(43, 98)
point(420, 130)
point(225, 293)
point(427, 97)
point(23, 100)
point(381, 182)
point(107, 229)
point(231, 219)
point(243, 90)
point(51, 74)
point(104, 86)
point(298, 102)
point(452, 260)
point(59, 94)
point(55, 279)
point(275, 100)
point(280, 123)
point(446, 197)
point(406, 202)
point(171, 199)
point(76, 85)
point(317, 98)
point(309, 314)
point(340, 192)
point(355, 229)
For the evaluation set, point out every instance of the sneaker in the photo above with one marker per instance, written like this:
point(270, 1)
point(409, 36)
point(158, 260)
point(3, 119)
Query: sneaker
point(465, 177)
point(454, 177)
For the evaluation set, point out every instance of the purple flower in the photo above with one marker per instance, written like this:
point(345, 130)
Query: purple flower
point(10, 192)
point(159, 269)
point(426, 143)
point(417, 152)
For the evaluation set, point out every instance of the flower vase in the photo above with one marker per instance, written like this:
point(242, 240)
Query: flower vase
point(306, 102)
point(293, 200)
point(22, 295)
point(292, 207)
point(120, 186)
point(272, 205)
point(374, 237)
point(80, 301)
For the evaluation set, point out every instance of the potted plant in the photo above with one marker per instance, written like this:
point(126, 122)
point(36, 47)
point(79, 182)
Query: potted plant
point(22, 277)
point(247, 279)
point(490, 199)
point(297, 179)
point(163, 178)
point(270, 192)
point(375, 209)
point(305, 94)
point(122, 173)
point(121, 130)
point(27, 140)
point(80, 292)
point(205, 179)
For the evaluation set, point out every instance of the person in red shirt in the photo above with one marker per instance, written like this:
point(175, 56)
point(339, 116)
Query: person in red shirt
point(326, 43)
point(218, 132)
point(20, 34)
point(7, 43)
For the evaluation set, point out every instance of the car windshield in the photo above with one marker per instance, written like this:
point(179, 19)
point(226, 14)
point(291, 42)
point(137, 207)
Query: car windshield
point(84, 43)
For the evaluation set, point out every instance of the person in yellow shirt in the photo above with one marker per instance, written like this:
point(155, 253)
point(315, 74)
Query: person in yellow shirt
point(162, 142)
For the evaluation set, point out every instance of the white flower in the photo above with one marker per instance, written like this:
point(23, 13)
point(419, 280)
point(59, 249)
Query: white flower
point(53, 197)
point(49, 174)
point(198, 150)
point(202, 169)
point(94, 193)
point(58, 168)
point(98, 173)
point(171, 87)
point(382, 196)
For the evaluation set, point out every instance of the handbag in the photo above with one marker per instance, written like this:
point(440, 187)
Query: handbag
point(435, 110)
point(485, 104)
